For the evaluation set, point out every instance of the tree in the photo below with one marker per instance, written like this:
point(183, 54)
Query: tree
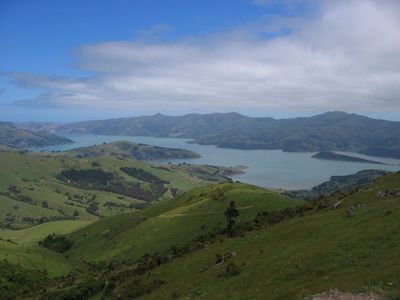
point(45, 204)
point(231, 213)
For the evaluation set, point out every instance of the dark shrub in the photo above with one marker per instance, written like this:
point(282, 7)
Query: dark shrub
point(56, 243)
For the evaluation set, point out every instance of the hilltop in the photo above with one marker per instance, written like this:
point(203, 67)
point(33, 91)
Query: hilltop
point(331, 131)
point(125, 149)
point(14, 137)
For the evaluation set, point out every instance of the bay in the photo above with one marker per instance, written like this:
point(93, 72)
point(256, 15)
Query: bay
point(267, 168)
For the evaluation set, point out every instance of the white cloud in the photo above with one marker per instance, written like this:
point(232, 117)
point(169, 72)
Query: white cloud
point(345, 58)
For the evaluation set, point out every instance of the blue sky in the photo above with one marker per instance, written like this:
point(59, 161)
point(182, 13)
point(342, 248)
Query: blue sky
point(74, 60)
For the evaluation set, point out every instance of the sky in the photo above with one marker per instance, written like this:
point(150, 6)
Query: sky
point(70, 60)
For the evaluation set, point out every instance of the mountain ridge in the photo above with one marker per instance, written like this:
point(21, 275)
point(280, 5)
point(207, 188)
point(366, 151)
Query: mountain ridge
point(15, 137)
point(330, 131)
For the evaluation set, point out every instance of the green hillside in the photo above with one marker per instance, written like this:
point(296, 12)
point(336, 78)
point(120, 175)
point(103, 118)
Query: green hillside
point(37, 188)
point(179, 247)
point(127, 149)
point(287, 254)
point(167, 224)
point(21, 247)
point(301, 256)
point(172, 222)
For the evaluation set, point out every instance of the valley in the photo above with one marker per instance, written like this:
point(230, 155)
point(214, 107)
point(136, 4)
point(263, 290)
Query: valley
point(179, 247)
point(266, 168)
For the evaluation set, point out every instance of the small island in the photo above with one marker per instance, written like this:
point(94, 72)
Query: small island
point(329, 155)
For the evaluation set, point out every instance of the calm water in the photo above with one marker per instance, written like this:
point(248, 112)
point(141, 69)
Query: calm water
point(268, 168)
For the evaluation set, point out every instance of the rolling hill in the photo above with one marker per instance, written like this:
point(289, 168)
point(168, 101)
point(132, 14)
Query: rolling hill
point(129, 236)
point(331, 131)
point(38, 188)
point(282, 249)
point(299, 257)
point(172, 222)
point(14, 137)
point(126, 149)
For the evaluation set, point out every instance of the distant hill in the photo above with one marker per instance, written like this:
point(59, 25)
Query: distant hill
point(329, 155)
point(339, 184)
point(14, 137)
point(126, 149)
point(331, 131)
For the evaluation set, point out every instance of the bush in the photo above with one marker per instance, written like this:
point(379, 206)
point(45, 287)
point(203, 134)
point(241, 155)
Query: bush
point(56, 243)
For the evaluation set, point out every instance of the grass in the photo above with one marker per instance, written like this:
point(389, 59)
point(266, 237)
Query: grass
point(21, 247)
point(289, 260)
point(32, 235)
point(36, 258)
point(171, 222)
point(35, 176)
point(300, 257)
point(126, 149)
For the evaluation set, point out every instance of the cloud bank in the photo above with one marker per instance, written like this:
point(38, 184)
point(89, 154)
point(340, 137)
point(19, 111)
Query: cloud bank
point(346, 57)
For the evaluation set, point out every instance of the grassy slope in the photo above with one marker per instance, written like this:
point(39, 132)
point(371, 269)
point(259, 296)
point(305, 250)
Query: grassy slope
point(172, 221)
point(21, 247)
point(301, 256)
point(35, 176)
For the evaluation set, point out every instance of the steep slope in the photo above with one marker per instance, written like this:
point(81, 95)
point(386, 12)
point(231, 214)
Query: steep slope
point(14, 137)
point(172, 222)
point(289, 254)
point(301, 256)
point(167, 224)
point(332, 131)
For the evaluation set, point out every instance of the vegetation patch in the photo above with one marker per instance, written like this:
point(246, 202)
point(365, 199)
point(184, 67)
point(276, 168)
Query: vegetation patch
point(91, 177)
point(142, 175)
point(16, 281)
point(57, 243)
point(106, 181)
